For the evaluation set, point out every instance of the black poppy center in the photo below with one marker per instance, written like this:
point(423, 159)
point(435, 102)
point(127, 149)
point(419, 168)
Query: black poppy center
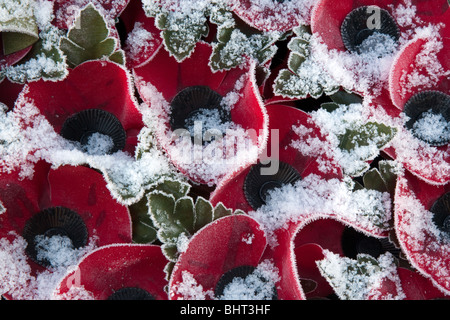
point(241, 272)
point(258, 184)
point(50, 222)
point(370, 28)
point(441, 213)
point(428, 115)
point(198, 104)
point(98, 131)
point(131, 293)
point(354, 243)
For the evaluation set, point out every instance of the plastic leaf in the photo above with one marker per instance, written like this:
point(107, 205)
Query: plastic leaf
point(143, 229)
point(17, 25)
point(203, 212)
point(305, 77)
point(364, 278)
point(181, 28)
point(88, 38)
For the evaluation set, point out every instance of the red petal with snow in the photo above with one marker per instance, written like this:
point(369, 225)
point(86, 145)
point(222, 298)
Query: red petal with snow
point(275, 16)
point(426, 248)
point(407, 68)
point(281, 119)
point(117, 266)
point(22, 198)
point(306, 257)
point(93, 84)
point(217, 248)
point(141, 50)
point(168, 77)
point(84, 190)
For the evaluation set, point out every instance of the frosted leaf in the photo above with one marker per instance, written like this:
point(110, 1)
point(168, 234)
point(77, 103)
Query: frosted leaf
point(305, 76)
point(353, 137)
point(259, 285)
point(182, 23)
point(17, 23)
point(360, 279)
point(233, 43)
point(46, 61)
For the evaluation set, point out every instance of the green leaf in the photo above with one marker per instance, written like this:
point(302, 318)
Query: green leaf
point(185, 214)
point(161, 208)
point(142, 225)
point(370, 132)
point(170, 252)
point(221, 211)
point(88, 38)
point(388, 171)
point(17, 25)
point(203, 213)
point(373, 180)
point(346, 98)
point(118, 57)
point(15, 41)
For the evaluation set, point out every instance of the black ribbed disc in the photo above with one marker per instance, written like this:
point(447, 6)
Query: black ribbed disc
point(190, 100)
point(441, 213)
point(238, 272)
point(257, 185)
point(354, 242)
point(82, 125)
point(54, 221)
point(131, 293)
point(355, 28)
point(435, 102)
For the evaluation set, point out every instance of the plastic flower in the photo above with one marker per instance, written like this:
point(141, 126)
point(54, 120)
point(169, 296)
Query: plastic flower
point(60, 213)
point(422, 227)
point(94, 107)
point(306, 186)
point(210, 124)
point(360, 38)
point(420, 95)
point(282, 161)
point(117, 272)
point(224, 261)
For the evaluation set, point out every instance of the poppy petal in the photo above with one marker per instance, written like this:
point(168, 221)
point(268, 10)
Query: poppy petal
point(425, 246)
point(113, 267)
point(220, 246)
point(91, 199)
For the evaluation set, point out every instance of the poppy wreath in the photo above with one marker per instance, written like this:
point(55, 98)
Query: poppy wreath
point(224, 150)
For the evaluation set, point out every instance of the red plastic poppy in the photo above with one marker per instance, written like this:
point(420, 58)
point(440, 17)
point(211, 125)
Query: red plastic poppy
point(119, 272)
point(417, 287)
point(225, 244)
point(272, 15)
point(282, 119)
point(143, 39)
point(422, 64)
point(162, 79)
point(419, 227)
point(368, 77)
point(79, 189)
point(91, 85)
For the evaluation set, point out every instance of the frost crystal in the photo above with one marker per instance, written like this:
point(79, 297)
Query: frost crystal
point(259, 285)
point(360, 279)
